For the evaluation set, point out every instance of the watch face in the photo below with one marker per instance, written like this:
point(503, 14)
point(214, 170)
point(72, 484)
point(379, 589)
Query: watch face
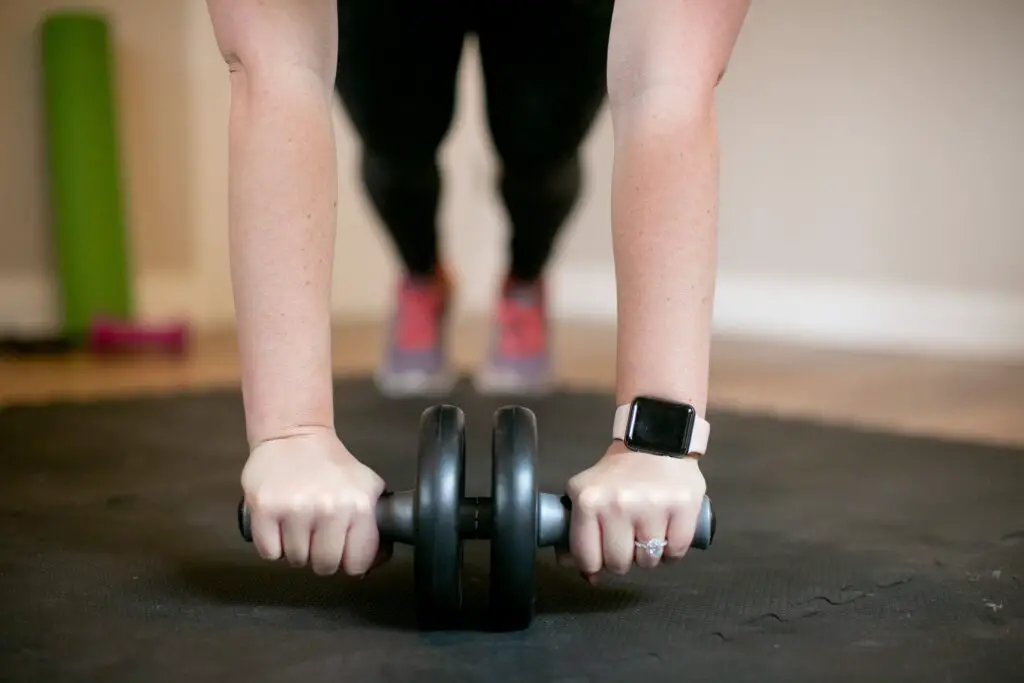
point(657, 426)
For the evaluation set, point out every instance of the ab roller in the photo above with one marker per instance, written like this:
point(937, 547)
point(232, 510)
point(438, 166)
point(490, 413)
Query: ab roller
point(435, 517)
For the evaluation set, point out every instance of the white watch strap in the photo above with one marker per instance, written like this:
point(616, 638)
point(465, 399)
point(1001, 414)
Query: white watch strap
point(698, 440)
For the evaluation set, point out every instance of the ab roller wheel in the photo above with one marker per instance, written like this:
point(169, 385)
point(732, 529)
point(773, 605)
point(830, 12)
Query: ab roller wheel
point(435, 517)
point(514, 517)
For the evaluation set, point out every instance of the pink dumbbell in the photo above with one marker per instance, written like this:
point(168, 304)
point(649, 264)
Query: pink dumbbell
point(107, 335)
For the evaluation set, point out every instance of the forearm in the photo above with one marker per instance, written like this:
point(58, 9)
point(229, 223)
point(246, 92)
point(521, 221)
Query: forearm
point(664, 214)
point(665, 59)
point(283, 207)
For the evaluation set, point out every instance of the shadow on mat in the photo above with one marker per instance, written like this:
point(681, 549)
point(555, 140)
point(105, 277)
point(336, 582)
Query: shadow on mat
point(385, 598)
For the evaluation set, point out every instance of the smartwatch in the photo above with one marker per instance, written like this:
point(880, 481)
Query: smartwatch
point(660, 427)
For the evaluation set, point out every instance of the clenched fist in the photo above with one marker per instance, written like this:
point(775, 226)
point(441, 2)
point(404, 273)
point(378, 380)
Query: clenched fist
point(628, 497)
point(312, 502)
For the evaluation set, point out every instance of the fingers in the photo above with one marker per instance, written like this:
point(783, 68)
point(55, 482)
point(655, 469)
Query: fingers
point(564, 558)
point(384, 552)
point(266, 534)
point(585, 542)
point(604, 534)
point(278, 532)
point(362, 541)
point(311, 502)
point(328, 544)
point(296, 533)
point(681, 528)
point(652, 526)
point(616, 527)
point(617, 538)
point(341, 536)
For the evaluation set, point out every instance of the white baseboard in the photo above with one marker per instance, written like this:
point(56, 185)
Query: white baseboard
point(818, 312)
point(29, 304)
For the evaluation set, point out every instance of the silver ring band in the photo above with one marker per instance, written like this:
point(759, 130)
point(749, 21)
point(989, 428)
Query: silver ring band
point(653, 546)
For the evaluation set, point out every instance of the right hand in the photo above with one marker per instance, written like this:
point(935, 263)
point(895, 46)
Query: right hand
point(311, 501)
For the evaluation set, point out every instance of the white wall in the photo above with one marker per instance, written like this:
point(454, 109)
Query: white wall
point(873, 159)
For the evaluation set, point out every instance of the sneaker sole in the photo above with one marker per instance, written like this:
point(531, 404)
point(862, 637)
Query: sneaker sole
point(492, 381)
point(414, 384)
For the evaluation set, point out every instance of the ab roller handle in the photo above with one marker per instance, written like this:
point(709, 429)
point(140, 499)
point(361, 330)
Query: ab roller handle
point(395, 514)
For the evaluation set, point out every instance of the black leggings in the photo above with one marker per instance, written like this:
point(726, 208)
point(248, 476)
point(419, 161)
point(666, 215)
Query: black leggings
point(544, 69)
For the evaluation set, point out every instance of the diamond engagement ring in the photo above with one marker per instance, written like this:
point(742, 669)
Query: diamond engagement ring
point(653, 547)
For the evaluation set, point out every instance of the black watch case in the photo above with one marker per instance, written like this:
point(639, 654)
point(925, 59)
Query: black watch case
point(659, 427)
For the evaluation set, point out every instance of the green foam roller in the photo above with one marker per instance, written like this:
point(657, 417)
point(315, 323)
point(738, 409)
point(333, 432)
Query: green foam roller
point(84, 171)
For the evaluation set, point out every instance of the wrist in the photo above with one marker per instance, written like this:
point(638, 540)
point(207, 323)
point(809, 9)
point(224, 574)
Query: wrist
point(693, 396)
point(671, 363)
point(618, 451)
point(687, 385)
point(661, 426)
point(285, 390)
point(264, 433)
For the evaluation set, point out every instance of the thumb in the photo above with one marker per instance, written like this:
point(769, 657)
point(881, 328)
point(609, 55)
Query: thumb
point(384, 552)
point(564, 558)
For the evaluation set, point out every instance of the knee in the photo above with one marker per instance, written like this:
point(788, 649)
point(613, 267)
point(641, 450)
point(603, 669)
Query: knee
point(384, 169)
point(541, 153)
point(543, 175)
point(395, 143)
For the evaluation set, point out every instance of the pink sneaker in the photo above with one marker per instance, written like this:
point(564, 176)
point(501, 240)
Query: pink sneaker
point(518, 359)
point(415, 360)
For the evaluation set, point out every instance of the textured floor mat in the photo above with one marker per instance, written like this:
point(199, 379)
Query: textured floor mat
point(840, 556)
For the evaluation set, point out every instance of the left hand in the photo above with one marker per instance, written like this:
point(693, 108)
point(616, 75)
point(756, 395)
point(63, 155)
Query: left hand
point(627, 497)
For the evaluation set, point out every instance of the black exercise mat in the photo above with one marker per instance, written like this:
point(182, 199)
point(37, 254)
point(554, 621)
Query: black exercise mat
point(841, 555)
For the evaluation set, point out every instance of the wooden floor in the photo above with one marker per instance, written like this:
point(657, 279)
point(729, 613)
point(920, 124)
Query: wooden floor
point(958, 399)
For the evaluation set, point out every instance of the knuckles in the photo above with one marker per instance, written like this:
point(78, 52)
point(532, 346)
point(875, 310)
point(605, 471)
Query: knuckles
point(314, 506)
point(605, 500)
point(590, 501)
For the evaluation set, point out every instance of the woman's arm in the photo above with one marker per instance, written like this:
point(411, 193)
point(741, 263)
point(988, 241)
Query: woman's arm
point(282, 57)
point(665, 59)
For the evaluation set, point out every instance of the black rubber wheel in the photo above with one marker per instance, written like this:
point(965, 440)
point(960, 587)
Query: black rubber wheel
point(440, 488)
point(514, 534)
